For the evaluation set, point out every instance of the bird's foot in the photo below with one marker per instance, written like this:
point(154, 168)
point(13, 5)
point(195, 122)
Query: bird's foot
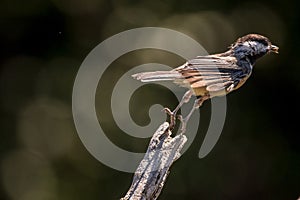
point(172, 116)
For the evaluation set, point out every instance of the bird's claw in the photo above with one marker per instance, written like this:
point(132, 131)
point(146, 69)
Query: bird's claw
point(168, 111)
point(172, 118)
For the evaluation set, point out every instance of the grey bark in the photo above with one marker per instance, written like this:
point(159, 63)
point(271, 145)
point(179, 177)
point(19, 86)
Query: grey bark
point(151, 174)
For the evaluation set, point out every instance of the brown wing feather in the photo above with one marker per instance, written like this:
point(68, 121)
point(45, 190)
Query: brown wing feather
point(209, 74)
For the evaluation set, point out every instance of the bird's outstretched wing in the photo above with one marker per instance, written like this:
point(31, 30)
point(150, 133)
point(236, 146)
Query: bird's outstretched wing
point(210, 73)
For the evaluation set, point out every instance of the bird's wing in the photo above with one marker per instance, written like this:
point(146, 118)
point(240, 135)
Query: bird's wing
point(212, 73)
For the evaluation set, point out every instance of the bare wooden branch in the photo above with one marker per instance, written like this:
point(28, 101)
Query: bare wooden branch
point(153, 170)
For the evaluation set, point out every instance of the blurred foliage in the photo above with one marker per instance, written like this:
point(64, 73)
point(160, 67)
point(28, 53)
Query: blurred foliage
point(43, 44)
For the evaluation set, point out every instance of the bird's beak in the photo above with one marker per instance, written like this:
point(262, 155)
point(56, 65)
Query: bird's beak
point(274, 49)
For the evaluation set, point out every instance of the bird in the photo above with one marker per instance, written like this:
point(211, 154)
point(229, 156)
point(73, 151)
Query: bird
point(213, 75)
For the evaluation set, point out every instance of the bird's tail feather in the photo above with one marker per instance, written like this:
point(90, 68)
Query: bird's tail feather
point(157, 76)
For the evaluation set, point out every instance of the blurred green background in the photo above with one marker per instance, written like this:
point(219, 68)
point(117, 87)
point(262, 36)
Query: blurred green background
point(42, 46)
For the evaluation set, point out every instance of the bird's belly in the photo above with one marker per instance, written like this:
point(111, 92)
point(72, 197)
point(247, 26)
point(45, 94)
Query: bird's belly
point(202, 91)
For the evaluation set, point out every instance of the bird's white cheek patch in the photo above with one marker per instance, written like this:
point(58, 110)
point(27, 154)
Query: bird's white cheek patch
point(256, 46)
point(251, 44)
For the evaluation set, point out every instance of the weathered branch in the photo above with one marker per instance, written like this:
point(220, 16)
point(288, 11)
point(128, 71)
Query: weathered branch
point(153, 170)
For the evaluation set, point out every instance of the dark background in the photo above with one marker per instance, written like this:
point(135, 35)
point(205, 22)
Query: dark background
point(42, 46)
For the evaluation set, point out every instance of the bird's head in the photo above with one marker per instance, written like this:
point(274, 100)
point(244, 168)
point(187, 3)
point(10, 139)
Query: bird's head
point(253, 46)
